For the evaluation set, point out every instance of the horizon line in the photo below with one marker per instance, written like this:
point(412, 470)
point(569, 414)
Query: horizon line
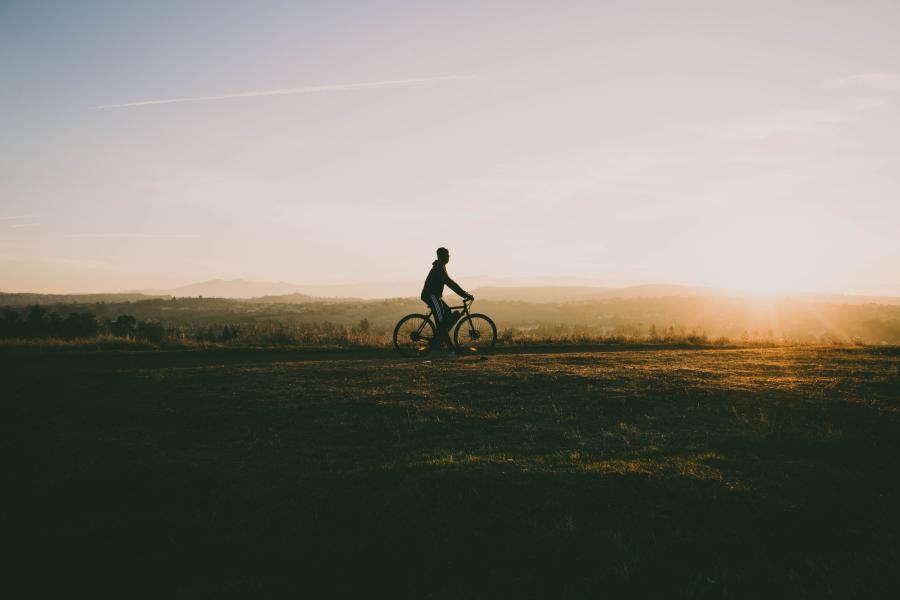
point(742, 291)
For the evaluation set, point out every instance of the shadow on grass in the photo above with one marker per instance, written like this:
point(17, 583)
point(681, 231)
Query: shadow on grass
point(536, 478)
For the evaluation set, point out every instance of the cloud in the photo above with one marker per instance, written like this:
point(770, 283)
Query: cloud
point(800, 120)
point(870, 103)
point(22, 225)
point(15, 217)
point(877, 81)
point(787, 121)
point(279, 92)
point(812, 118)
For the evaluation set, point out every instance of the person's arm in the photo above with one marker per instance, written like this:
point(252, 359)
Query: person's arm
point(455, 286)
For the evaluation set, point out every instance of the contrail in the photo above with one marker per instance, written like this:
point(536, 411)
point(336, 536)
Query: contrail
point(153, 236)
point(301, 90)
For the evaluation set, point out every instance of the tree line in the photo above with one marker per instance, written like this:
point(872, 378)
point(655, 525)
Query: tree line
point(37, 323)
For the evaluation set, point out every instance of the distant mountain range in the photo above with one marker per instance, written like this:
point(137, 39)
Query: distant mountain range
point(485, 288)
point(556, 290)
point(240, 288)
point(583, 293)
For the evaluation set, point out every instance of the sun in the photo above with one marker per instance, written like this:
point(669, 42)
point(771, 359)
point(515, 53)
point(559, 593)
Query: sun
point(772, 247)
point(764, 281)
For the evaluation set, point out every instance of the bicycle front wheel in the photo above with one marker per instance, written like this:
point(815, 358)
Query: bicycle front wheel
point(475, 334)
point(413, 335)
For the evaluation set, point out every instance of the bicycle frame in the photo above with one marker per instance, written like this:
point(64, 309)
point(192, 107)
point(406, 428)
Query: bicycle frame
point(465, 307)
point(470, 333)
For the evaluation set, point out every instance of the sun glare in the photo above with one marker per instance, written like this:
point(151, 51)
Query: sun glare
point(754, 271)
point(765, 282)
point(778, 258)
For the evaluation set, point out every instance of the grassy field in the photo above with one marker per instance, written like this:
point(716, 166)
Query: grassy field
point(710, 473)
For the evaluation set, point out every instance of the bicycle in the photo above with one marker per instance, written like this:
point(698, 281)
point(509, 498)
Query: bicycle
point(475, 333)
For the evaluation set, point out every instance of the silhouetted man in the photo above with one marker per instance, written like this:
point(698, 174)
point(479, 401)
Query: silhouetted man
point(431, 295)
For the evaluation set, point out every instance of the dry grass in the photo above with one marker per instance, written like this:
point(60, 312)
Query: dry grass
point(710, 473)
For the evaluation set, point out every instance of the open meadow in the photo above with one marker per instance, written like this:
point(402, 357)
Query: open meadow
point(657, 240)
point(678, 473)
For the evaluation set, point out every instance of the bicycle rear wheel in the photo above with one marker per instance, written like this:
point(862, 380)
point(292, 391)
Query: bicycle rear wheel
point(413, 335)
point(475, 334)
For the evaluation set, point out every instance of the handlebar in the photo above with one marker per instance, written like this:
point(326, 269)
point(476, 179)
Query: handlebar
point(466, 302)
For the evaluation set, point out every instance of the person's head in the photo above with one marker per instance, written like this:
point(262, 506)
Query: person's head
point(443, 255)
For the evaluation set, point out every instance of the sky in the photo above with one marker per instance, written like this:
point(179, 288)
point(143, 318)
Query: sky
point(732, 144)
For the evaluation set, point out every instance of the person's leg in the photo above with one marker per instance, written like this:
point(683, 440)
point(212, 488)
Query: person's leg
point(437, 311)
point(449, 320)
point(442, 318)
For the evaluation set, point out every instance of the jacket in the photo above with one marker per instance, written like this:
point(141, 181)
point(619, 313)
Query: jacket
point(437, 278)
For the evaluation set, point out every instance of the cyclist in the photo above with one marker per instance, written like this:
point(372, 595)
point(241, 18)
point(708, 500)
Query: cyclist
point(431, 295)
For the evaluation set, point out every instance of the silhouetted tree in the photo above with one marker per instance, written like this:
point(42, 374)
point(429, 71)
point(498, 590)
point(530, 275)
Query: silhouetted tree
point(124, 326)
point(149, 331)
point(11, 324)
point(37, 324)
point(54, 325)
point(79, 325)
